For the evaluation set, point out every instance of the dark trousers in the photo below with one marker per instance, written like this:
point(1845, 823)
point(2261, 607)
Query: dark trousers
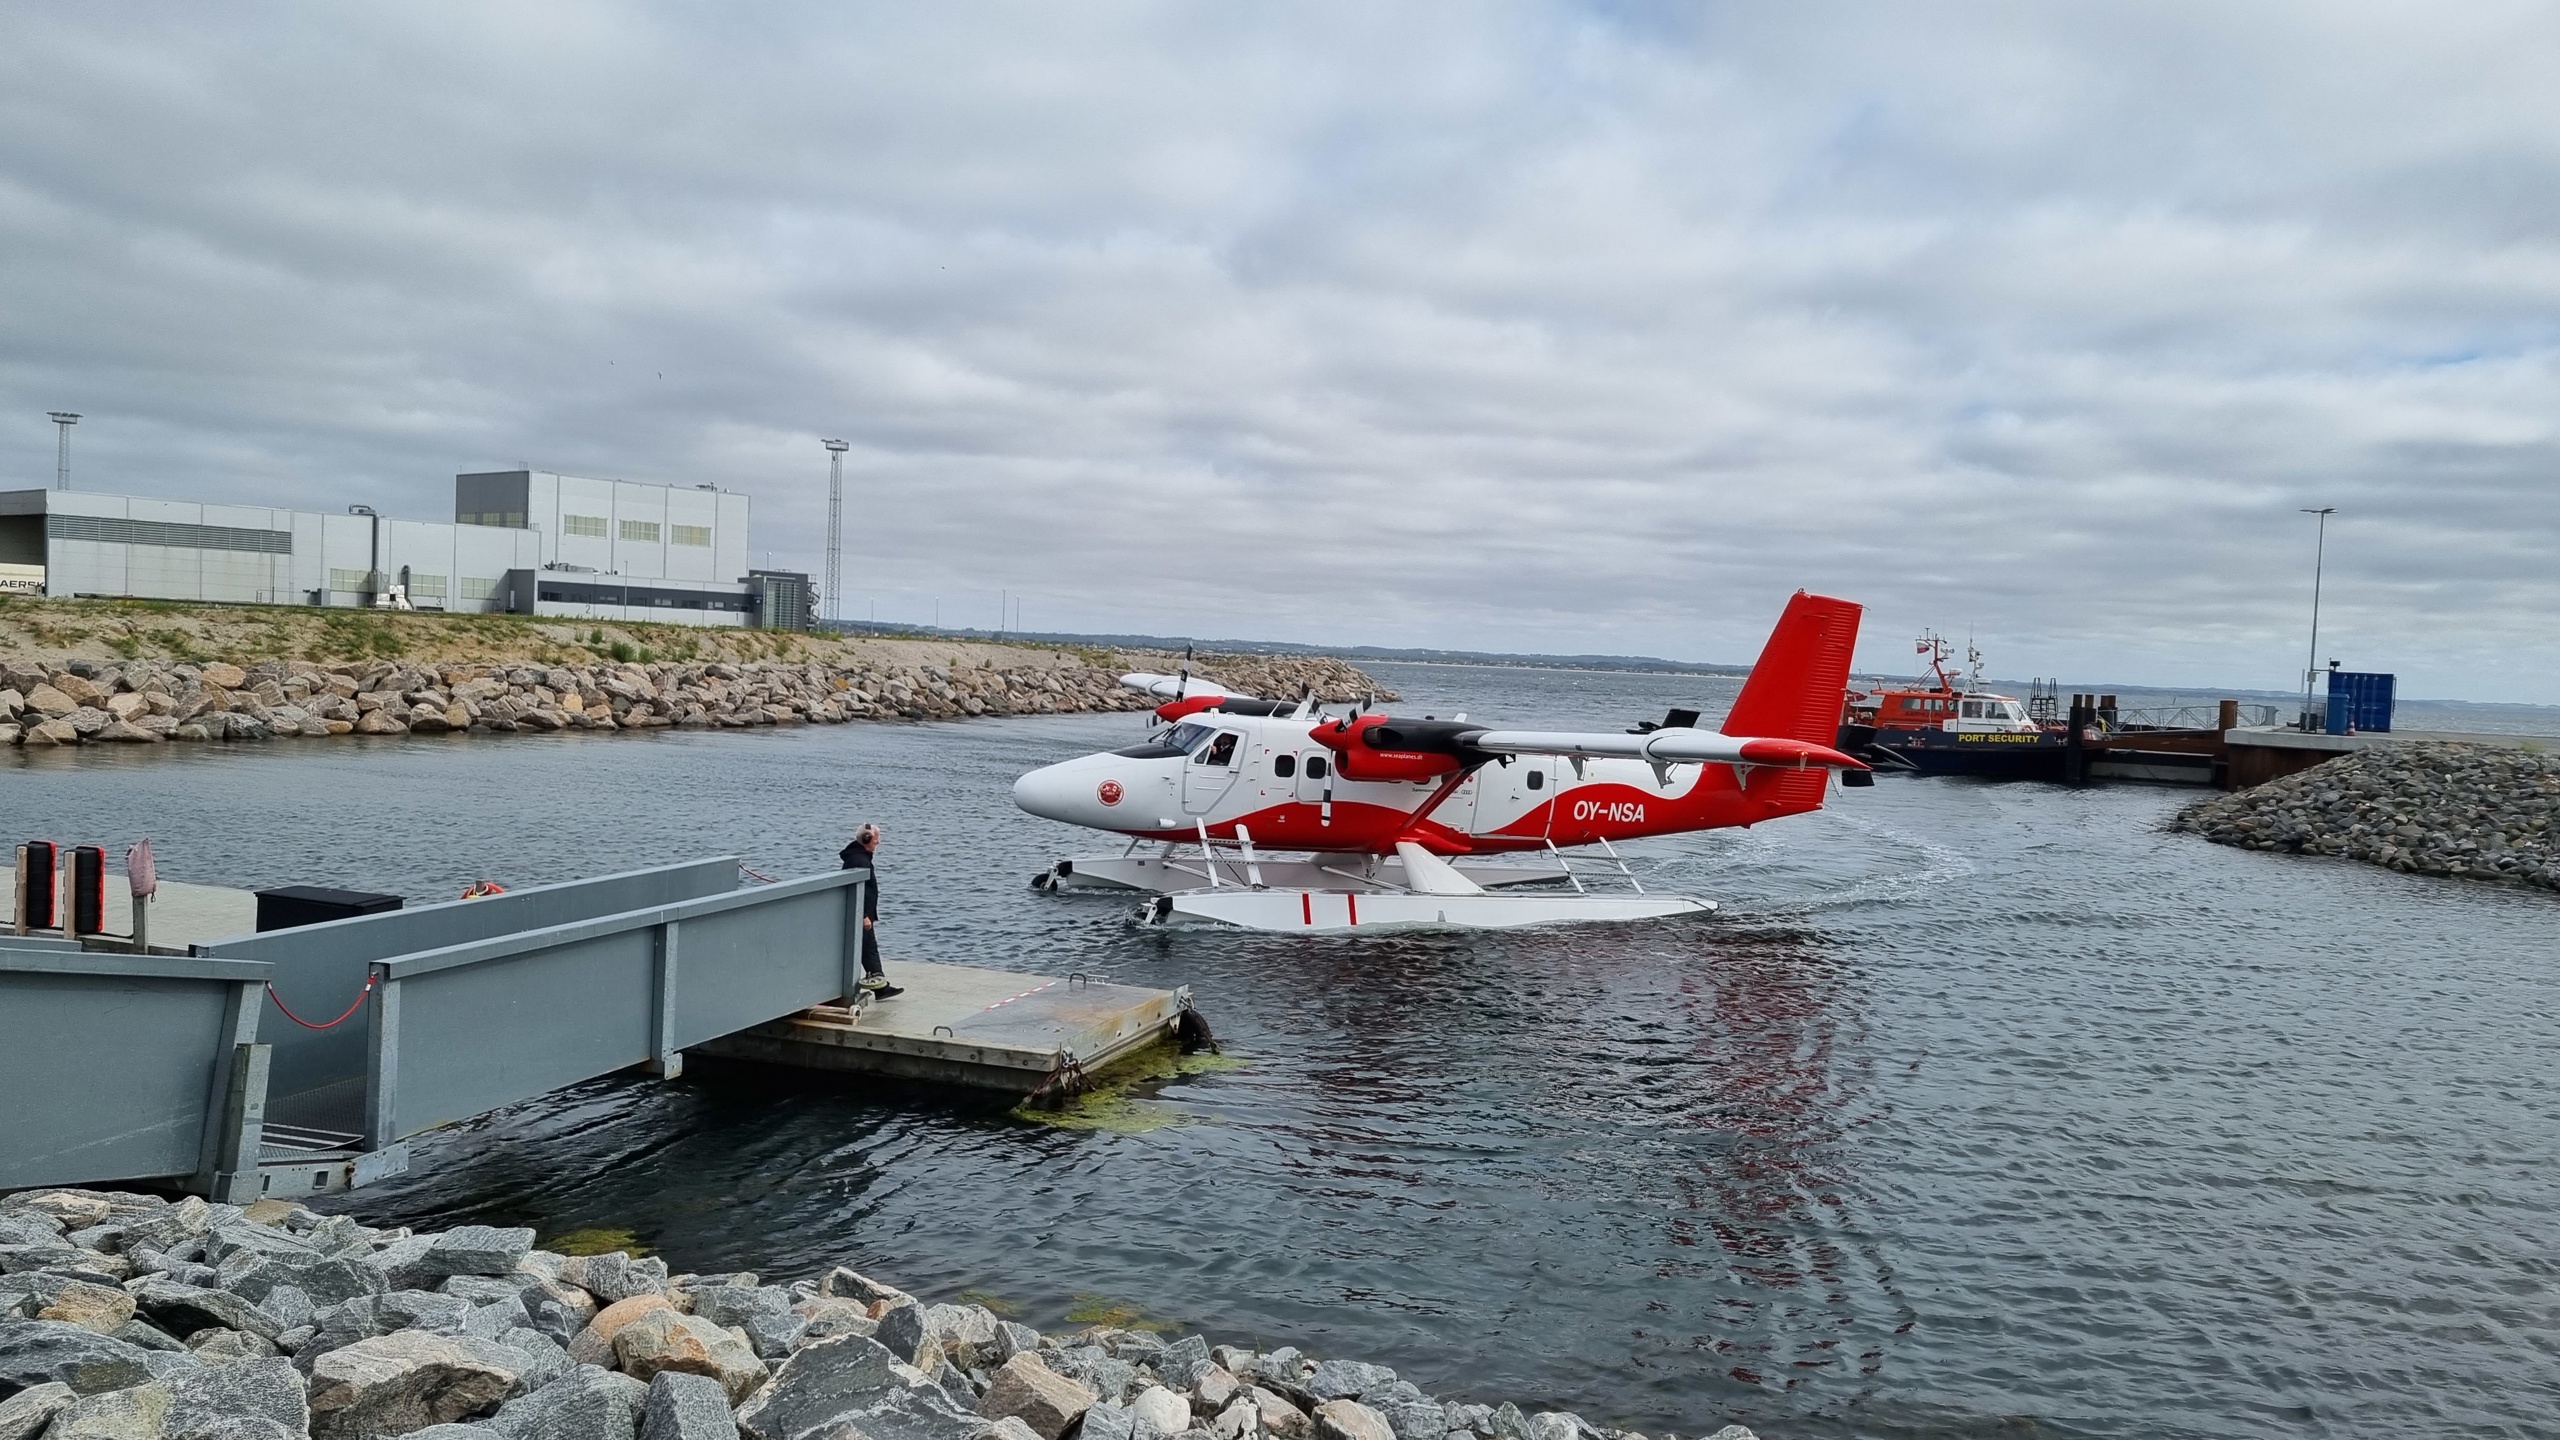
point(870, 951)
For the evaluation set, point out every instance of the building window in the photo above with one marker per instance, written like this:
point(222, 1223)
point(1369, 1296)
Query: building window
point(588, 525)
point(429, 586)
point(645, 531)
point(503, 519)
point(689, 534)
point(357, 581)
point(475, 588)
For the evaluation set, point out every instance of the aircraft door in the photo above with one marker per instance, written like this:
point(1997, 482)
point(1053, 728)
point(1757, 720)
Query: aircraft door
point(1211, 772)
point(1519, 787)
point(1315, 777)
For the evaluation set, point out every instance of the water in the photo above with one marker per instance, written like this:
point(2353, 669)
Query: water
point(1983, 1109)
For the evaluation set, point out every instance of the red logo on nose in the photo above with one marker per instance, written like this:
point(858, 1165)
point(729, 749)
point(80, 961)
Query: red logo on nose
point(1108, 792)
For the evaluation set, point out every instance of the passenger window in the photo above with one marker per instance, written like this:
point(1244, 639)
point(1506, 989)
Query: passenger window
point(1221, 751)
point(1316, 767)
point(1537, 780)
point(1283, 766)
point(1972, 710)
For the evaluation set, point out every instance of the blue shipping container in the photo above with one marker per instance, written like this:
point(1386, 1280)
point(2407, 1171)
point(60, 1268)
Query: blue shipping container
point(2360, 700)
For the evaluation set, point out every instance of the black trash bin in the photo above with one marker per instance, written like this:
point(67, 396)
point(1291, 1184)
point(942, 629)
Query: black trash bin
point(287, 906)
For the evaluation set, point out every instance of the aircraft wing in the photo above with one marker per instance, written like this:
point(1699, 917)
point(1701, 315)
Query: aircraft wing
point(1670, 745)
point(1174, 687)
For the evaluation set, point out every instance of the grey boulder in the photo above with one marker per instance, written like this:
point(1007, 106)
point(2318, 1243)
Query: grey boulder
point(1183, 1360)
point(327, 1279)
point(33, 1352)
point(29, 1227)
point(393, 1384)
point(254, 1398)
point(686, 1407)
point(852, 1384)
point(185, 1309)
point(1415, 1419)
point(615, 1276)
point(147, 1335)
point(478, 1250)
point(402, 1264)
point(24, 1415)
point(763, 1311)
point(585, 1404)
point(1347, 1379)
point(1109, 1421)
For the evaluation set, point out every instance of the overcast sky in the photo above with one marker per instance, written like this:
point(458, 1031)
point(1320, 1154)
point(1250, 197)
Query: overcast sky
point(1531, 327)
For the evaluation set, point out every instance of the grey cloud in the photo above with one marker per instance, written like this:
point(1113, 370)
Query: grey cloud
point(1523, 327)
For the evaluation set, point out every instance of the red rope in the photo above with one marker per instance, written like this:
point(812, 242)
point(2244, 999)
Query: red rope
point(307, 1025)
point(760, 875)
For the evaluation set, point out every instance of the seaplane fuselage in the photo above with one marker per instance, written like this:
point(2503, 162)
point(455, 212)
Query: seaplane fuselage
point(1288, 781)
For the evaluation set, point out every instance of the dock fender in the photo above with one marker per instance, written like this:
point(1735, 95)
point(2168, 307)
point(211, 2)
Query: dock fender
point(1193, 1032)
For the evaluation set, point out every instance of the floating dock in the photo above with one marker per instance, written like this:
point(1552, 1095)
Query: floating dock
point(993, 1030)
point(305, 1059)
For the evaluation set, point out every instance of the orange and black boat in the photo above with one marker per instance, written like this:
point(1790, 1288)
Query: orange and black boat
point(1944, 728)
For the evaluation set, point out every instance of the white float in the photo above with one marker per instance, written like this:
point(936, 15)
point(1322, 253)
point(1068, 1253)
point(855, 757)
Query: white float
point(1436, 896)
point(1171, 871)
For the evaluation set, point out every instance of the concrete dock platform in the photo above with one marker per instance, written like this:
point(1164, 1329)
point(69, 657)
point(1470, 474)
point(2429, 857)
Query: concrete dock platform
point(993, 1030)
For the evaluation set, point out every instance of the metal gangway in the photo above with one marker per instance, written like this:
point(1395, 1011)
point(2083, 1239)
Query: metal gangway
point(305, 1059)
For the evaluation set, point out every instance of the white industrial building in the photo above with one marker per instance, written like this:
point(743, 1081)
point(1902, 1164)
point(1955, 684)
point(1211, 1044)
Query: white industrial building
point(525, 542)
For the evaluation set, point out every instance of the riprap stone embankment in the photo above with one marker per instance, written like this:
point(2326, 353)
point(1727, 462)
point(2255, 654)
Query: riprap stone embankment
point(126, 1317)
point(2427, 808)
point(150, 701)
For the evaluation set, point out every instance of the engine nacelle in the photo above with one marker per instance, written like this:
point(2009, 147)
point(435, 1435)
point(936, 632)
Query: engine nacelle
point(1361, 753)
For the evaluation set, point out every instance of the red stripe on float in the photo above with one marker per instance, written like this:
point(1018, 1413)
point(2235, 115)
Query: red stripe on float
point(1352, 903)
point(1306, 908)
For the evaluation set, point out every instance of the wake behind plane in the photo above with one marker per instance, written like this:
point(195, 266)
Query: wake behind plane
point(1272, 815)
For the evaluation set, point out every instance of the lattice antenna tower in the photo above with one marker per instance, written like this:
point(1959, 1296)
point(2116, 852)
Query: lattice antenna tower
point(833, 594)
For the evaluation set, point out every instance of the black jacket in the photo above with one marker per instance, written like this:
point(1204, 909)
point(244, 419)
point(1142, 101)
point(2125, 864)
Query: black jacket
point(857, 858)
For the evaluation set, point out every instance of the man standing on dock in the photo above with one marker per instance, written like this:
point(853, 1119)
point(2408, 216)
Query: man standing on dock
point(863, 854)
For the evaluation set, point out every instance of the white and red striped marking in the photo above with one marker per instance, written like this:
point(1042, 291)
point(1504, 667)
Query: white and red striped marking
point(1025, 995)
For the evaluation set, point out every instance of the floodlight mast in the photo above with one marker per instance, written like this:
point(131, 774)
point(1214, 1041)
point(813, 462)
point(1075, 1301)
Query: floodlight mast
point(2319, 561)
point(63, 421)
point(835, 527)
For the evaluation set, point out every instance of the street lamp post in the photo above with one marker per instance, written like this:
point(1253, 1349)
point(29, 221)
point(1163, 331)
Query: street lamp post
point(835, 527)
point(2319, 561)
point(63, 421)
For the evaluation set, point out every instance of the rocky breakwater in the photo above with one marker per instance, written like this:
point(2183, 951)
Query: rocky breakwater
point(150, 701)
point(125, 1317)
point(2426, 808)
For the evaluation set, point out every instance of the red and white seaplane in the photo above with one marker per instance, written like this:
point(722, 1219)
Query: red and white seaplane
point(1392, 822)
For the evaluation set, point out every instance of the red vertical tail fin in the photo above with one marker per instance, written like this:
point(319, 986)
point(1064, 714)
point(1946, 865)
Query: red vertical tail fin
point(1797, 687)
point(1796, 691)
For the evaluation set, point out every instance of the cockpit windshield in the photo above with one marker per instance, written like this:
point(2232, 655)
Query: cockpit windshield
point(1182, 739)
